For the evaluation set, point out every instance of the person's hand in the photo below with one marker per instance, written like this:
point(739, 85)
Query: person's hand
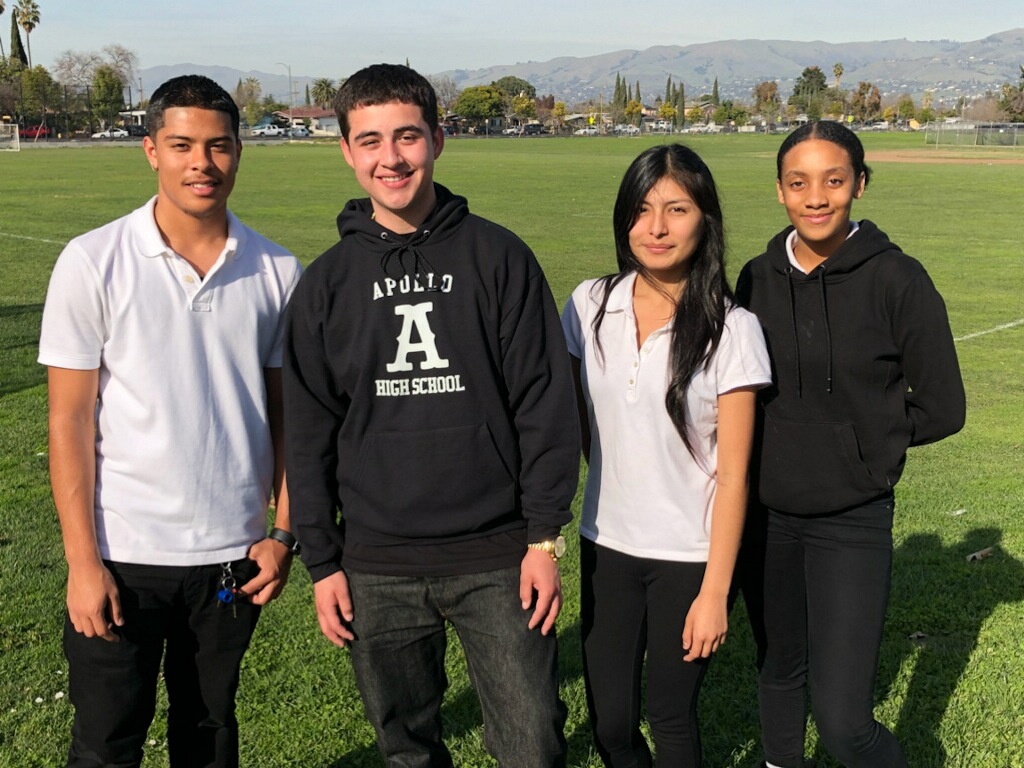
point(334, 608)
point(707, 623)
point(540, 585)
point(94, 603)
point(274, 560)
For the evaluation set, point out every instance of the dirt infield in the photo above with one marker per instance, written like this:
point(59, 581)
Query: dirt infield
point(947, 157)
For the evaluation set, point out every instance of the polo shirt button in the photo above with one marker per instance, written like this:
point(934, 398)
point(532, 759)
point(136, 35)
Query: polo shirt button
point(189, 279)
point(631, 382)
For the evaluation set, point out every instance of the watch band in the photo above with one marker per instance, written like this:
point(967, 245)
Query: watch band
point(554, 547)
point(286, 538)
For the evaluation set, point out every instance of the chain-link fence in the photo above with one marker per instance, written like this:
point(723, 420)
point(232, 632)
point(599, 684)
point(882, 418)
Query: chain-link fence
point(975, 134)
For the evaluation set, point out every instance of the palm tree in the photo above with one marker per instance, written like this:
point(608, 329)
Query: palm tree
point(837, 70)
point(323, 91)
point(28, 18)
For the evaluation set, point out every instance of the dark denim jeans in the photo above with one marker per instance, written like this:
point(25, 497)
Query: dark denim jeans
point(398, 658)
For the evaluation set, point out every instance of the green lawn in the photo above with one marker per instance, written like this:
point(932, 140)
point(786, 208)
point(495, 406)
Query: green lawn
point(950, 682)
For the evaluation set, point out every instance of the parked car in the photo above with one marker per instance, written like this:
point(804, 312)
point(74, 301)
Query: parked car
point(586, 131)
point(34, 132)
point(269, 130)
point(627, 130)
point(514, 130)
point(138, 131)
point(534, 129)
point(111, 133)
point(300, 132)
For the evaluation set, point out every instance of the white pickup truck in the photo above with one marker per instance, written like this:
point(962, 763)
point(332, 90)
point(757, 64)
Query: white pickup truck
point(269, 130)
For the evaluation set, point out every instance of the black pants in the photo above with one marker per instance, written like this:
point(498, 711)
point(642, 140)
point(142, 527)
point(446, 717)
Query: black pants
point(826, 589)
point(172, 613)
point(630, 607)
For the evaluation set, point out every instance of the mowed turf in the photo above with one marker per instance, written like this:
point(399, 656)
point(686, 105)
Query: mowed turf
point(950, 679)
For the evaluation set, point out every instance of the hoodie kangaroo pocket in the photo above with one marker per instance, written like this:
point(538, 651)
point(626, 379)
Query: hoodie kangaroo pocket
point(432, 483)
point(813, 467)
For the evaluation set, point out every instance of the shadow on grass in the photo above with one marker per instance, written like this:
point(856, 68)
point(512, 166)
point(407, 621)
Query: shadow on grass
point(19, 343)
point(938, 593)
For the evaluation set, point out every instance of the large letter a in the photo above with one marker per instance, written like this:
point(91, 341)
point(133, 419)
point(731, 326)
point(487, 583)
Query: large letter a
point(416, 314)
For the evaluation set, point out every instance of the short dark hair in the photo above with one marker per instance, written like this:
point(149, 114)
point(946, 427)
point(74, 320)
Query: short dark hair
point(189, 91)
point(384, 84)
point(827, 130)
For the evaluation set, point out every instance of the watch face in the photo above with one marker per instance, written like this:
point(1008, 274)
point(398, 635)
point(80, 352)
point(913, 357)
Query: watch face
point(559, 546)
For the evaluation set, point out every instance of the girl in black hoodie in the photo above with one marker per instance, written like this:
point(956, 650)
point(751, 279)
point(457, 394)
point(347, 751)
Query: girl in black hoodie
point(864, 366)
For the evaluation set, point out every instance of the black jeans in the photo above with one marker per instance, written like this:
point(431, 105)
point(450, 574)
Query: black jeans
point(630, 607)
point(398, 659)
point(826, 589)
point(170, 612)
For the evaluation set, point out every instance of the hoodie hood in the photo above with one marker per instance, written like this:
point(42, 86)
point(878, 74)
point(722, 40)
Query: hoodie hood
point(857, 250)
point(400, 255)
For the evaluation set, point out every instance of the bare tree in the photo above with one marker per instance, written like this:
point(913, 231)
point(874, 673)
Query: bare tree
point(447, 91)
point(122, 60)
point(76, 68)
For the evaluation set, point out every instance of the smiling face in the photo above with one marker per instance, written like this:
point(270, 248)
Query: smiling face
point(392, 151)
point(818, 185)
point(667, 232)
point(195, 154)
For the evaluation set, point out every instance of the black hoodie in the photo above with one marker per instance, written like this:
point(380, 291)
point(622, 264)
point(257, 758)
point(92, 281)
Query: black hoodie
point(864, 366)
point(428, 397)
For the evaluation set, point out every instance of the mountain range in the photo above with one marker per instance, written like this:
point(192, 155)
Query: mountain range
point(948, 68)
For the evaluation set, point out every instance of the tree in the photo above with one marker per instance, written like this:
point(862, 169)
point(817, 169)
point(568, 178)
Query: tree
point(523, 107)
point(667, 111)
point(323, 92)
point(837, 72)
point(122, 60)
point(558, 114)
point(107, 94)
point(19, 58)
point(1012, 100)
point(515, 86)
point(447, 91)
point(765, 94)
point(809, 89)
point(479, 103)
point(75, 68)
point(867, 101)
point(714, 93)
point(3, 6)
point(634, 110)
point(40, 92)
point(905, 109)
point(28, 17)
point(695, 115)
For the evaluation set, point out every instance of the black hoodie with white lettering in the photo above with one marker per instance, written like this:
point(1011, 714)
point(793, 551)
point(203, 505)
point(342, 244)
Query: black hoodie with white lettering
point(864, 366)
point(428, 399)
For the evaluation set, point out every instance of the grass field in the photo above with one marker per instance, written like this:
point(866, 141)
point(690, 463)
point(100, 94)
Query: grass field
point(950, 682)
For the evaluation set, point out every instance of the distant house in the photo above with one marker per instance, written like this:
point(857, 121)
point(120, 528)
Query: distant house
point(322, 122)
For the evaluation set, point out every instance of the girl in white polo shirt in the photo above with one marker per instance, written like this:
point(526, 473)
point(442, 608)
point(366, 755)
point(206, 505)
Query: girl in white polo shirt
point(666, 367)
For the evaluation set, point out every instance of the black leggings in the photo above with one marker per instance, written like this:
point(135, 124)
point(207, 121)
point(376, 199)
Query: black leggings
point(826, 588)
point(630, 606)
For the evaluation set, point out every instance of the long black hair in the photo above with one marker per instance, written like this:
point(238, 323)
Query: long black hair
point(701, 307)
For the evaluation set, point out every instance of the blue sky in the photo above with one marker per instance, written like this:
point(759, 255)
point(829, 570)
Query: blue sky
point(332, 39)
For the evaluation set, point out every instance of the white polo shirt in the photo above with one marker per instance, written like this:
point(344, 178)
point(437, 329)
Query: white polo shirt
point(646, 495)
point(184, 461)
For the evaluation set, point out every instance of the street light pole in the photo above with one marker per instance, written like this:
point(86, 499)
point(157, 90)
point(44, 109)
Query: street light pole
point(291, 93)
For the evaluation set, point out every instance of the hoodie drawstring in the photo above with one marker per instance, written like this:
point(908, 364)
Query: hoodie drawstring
point(420, 265)
point(796, 333)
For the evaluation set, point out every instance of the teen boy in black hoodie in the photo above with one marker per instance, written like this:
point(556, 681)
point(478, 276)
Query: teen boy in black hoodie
point(430, 401)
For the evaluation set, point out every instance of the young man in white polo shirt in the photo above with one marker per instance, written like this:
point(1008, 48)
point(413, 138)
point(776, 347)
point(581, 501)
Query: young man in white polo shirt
point(162, 333)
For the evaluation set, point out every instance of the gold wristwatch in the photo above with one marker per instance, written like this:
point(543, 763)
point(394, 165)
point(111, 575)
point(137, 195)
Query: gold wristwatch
point(554, 547)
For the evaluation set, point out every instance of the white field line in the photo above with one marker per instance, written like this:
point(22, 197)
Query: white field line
point(33, 239)
point(1002, 327)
